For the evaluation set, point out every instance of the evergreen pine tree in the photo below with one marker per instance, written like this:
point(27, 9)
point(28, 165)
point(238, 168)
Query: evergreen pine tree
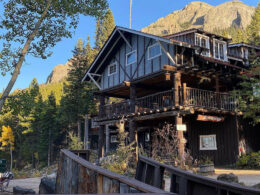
point(108, 25)
point(48, 130)
point(249, 93)
point(78, 98)
point(253, 29)
point(104, 28)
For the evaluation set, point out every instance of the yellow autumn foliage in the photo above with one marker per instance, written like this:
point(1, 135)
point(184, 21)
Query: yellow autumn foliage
point(7, 138)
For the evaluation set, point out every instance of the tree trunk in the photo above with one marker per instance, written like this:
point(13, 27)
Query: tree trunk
point(49, 148)
point(22, 56)
point(11, 155)
point(79, 130)
point(86, 134)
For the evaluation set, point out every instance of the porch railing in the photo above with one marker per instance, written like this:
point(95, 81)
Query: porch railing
point(187, 97)
point(209, 99)
point(159, 100)
point(116, 109)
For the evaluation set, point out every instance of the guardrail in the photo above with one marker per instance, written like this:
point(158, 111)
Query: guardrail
point(184, 183)
point(77, 176)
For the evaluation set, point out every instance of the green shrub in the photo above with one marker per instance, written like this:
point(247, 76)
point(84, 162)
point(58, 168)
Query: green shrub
point(254, 160)
point(251, 161)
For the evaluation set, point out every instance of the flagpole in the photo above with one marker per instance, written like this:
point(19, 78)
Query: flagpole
point(130, 17)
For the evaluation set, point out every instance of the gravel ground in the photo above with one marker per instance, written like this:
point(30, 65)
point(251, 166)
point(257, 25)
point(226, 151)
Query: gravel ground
point(248, 177)
point(29, 183)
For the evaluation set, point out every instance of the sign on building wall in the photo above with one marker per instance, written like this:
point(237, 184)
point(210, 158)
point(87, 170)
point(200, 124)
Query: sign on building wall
point(209, 118)
point(208, 142)
point(181, 127)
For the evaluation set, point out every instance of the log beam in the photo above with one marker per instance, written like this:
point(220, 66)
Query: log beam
point(101, 128)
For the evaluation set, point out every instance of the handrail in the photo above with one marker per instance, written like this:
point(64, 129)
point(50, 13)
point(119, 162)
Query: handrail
point(164, 100)
point(100, 173)
point(154, 94)
point(194, 179)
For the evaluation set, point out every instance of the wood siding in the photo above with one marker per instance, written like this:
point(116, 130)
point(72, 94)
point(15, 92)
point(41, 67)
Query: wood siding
point(142, 66)
point(226, 138)
point(76, 175)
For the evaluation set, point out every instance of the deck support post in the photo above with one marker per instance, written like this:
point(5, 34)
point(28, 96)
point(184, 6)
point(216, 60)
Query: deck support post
point(178, 119)
point(107, 139)
point(101, 128)
point(217, 91)
point(182, 140)
point(86, 134)
point(132, 123)
point(177, 85)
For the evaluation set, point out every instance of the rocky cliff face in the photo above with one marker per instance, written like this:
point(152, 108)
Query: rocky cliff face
point(58, 73)
point(202, 15)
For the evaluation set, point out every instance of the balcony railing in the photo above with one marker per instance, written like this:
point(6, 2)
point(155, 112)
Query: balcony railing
point(159, 100)
point(210, 100)
point(191, 97)
point(115, 109)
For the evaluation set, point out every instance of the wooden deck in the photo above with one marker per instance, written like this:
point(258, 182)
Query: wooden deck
point(191, 99)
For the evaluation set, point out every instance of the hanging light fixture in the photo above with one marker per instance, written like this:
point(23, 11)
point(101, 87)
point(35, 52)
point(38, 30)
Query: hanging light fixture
point(167, 76)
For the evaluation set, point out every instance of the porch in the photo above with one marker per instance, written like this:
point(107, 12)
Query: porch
point(187, 98)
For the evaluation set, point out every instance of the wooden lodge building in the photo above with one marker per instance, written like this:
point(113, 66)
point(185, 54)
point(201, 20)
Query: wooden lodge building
point(184, 79)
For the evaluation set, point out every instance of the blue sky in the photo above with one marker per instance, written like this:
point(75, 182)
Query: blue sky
point(144, 12)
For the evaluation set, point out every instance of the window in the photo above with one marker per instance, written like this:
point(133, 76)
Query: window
point(219, 50)
point(147, 137)
point(202, 41)
point(112, 69)
point(131, 58)
point(113, 139)
point(208, 142)
point(154, 51)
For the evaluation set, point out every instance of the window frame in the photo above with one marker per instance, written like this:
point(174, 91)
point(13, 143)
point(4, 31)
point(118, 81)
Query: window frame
point(200, 36)
point(224, 43)
point(147, 137)
point(112, 140)
point(112, 64)
point(126, 61)
point(204, 136)
point(155, 44)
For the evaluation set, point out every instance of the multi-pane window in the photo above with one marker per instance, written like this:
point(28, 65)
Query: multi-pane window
point(154, 51)
point(112, 69)
point(208, 142)
point(219, 50)
point(113, 139)
point(131, 58)
point(202, 41)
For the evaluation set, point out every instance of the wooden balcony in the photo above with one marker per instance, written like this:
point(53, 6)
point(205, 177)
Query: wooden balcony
point(165, 101)
point(209, 100)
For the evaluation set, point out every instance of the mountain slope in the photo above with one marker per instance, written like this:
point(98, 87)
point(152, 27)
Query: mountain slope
point(58, 73)
point(202, 15)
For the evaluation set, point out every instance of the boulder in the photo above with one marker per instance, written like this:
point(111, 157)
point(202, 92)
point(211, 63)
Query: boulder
point(19, 190)
point(47, 185)
point(230, 178)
